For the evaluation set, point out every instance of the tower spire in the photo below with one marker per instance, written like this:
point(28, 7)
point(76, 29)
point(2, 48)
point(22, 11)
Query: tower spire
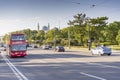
point(38, 27)
point(48, 26)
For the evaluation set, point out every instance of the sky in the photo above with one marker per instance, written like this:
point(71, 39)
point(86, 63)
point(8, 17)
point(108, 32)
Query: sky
point(23, 14)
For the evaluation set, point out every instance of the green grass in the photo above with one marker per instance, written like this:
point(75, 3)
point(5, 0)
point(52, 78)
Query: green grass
point(115, 47)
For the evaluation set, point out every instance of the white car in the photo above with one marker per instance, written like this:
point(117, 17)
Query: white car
point(101, 50)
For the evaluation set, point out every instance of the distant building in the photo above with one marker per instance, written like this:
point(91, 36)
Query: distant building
point(48, 26)
point(45, 28)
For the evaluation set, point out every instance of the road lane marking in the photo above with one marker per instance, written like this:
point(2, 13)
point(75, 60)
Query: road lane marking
point(103, 65)
point(18, 74)
point(92, 76)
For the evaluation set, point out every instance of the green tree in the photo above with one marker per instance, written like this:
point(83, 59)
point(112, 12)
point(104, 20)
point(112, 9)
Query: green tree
point(118, 37)
point(50, 35)
point(5, 38)
point(34, 35)
point(97, 28)
point(28, 35)
point(39, 37)
point(112, 32)
point(79, 27)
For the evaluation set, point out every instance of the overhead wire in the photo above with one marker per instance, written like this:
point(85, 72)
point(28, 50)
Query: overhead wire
point(104, 6)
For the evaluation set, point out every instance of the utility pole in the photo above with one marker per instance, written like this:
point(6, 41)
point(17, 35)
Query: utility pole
point(89, 39)
point(54, 38)
point(69, 39)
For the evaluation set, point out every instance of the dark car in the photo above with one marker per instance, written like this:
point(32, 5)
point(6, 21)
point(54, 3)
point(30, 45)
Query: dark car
point(35, 46)
point(60, 49)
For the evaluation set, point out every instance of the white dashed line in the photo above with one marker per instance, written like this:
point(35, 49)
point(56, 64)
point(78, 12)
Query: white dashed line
point(93, 76)
point(103, 65)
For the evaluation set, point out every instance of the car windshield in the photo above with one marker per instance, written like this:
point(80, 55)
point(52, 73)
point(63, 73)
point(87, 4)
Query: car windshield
point(60, 46)
point(18, 47)
point(104, 47)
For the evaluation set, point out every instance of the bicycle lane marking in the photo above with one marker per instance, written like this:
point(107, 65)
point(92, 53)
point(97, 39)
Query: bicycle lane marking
point(18, 74)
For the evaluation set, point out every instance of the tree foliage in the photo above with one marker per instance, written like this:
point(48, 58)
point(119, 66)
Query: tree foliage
point(77, 32)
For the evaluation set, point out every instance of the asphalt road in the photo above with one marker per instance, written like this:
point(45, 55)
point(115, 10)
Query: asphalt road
point(70, 65)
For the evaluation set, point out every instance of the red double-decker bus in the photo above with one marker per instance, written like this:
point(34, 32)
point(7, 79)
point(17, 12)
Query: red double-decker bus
point(16, 46)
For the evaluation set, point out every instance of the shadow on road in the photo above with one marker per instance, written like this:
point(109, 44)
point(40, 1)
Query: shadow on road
point(47, 56)
point(71, 71)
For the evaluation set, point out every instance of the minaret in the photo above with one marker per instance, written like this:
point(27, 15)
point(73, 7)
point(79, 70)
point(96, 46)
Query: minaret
point(38, 27)
point(59, 25)
point(48, 26)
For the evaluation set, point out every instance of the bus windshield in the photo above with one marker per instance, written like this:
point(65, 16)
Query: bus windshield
point(16, 37)
point(19, 47)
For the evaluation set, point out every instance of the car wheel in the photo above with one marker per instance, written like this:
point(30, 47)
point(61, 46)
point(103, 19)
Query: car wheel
point(92, 54)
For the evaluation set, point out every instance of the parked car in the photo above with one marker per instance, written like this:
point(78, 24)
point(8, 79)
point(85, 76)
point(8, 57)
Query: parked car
point(2, 48)
point(35, 46)
point(60, 49)
point(101, 50)
point(50, 46)
point(45, 47)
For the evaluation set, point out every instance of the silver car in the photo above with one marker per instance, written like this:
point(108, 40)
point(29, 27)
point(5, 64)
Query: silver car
point(45, 47)
point(101, 50)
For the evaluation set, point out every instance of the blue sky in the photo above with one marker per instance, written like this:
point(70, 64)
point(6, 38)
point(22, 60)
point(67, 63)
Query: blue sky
point(23, 14)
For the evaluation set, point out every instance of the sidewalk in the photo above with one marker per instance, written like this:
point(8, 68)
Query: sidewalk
point(78, 49)
point(86, 50)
